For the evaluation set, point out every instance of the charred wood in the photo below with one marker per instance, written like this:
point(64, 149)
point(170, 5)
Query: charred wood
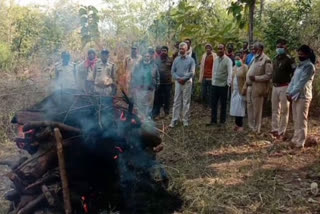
point(48, 177)
point(40, 124)
point(63, 172)
point(30, 207)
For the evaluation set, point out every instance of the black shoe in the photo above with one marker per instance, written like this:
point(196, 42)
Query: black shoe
point(211, 124)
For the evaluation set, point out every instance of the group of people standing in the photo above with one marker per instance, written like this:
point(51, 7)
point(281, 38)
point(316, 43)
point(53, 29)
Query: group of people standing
point(245, 77)
point(251, 75)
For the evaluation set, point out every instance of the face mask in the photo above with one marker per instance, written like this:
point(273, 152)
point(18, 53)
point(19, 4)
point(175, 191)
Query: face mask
point(238, 63)
point(302, 58)
point(280, 51)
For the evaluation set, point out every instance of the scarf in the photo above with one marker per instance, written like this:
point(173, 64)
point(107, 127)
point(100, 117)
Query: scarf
point(91, 63)
point(189, 52)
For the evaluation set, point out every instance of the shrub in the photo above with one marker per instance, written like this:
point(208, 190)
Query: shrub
point(5, 56)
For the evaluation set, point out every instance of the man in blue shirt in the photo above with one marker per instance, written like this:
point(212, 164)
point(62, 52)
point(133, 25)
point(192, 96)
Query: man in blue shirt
point(299, 93)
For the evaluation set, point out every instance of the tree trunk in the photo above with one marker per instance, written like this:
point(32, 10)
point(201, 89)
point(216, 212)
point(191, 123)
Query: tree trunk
point(261, 8)
point(251, 21)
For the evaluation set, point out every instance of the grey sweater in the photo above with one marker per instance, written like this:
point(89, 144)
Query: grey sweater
point(183, 68)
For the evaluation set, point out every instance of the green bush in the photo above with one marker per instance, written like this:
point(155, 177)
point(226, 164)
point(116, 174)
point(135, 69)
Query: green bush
point(5, 56)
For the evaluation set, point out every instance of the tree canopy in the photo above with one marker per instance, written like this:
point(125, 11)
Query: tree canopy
point(31, 31)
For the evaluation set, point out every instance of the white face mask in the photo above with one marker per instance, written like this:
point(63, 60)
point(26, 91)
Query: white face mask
point(280, 51)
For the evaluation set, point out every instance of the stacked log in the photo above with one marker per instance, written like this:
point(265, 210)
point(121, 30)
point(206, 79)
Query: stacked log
point(73, 169)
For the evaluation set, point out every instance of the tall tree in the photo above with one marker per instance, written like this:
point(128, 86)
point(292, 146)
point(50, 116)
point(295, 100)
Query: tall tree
point(207, 22)
point(89, 20)
point(244, 11)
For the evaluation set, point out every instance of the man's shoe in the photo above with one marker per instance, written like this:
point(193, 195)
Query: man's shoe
point(173, 124)
point(274, 134)
point(282, 137)
point(185, 124)
point(240, 129)
point(155, 118)
point(296, 146)
point(222, 123)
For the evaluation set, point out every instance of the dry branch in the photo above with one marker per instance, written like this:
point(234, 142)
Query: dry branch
point(63, 172)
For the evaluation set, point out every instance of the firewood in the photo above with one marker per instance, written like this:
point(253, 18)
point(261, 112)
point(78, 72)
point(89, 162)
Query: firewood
point(19, 162)
point(23, 117)
point(63, 172)
point(44, 135)
point(51, 175)
point(38, 165)
point(29, 208)
point(150, 138)
point(24, 201)
point(48, 195)
point(12, 195)
point(18, 182)
point(61, 126)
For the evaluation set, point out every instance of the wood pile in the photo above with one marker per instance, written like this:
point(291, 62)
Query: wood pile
point(88, 154)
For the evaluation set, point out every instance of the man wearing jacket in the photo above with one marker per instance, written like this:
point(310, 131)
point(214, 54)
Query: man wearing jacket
point(163, 94)
point(300, 93)
point(257, 82)
point(283, 68)
point(206, 71)
point(105, 82)
point(144, 82)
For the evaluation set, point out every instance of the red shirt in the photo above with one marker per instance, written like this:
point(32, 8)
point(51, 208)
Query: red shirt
point(208, 64)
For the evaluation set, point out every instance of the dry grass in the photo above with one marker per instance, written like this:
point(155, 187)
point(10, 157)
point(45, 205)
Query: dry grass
point(16, 93)
point(218, 171)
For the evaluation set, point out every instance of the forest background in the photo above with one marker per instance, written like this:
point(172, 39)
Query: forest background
point(34, 35)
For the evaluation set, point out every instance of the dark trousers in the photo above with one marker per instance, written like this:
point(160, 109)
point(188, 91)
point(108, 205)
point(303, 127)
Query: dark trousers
point(239, 121)
point(206, 92)
point(162, 99)
point(219, 94)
